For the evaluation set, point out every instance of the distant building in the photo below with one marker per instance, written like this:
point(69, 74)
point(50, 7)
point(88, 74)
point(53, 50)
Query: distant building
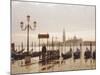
point(86, 43)
point(74, 41)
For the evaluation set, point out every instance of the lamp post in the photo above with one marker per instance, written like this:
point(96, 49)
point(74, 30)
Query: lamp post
point(28, 28)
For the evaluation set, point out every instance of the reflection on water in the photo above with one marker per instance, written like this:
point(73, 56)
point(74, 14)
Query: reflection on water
point(56, 65)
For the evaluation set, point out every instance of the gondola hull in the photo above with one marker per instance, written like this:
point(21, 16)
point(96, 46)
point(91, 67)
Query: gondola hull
point(67, 55)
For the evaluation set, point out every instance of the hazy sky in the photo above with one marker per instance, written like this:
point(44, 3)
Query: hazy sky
point(53, 18)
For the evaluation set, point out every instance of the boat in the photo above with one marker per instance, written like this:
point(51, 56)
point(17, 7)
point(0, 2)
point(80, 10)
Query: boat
point(50, 56)
point(77, 54)
point(67, 55)
point(87, 54)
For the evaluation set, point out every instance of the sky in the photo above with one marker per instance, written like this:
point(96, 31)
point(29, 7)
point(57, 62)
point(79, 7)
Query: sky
point(51, 18)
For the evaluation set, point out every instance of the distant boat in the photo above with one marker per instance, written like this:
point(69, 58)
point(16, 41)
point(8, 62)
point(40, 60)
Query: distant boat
point(77, 54)
point(67, 55)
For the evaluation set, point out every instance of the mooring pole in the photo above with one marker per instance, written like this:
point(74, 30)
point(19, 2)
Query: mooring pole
point(81, 53)
point(91, 54)
point(39, 52)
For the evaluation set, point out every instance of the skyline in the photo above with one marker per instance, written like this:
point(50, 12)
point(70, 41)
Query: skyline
point(53, 18)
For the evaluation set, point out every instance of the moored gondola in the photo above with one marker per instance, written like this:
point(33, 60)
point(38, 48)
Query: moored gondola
point(87, 54)
point(50, 56)
point(77, 54)
point(67, 55)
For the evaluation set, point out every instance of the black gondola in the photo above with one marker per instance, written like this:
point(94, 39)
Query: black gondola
point(67, 55)
point(50, 55)
point(87, 54)
point(77, 54)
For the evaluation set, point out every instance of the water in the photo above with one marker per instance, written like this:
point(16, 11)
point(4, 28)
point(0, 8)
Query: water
point(56, 65)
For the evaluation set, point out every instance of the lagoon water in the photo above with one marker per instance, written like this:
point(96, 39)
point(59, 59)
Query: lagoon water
point(56, 65)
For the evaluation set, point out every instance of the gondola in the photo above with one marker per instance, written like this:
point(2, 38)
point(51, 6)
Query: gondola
point(50, 55)
point(67, 55)
point(87, 54)
point(77, 54)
